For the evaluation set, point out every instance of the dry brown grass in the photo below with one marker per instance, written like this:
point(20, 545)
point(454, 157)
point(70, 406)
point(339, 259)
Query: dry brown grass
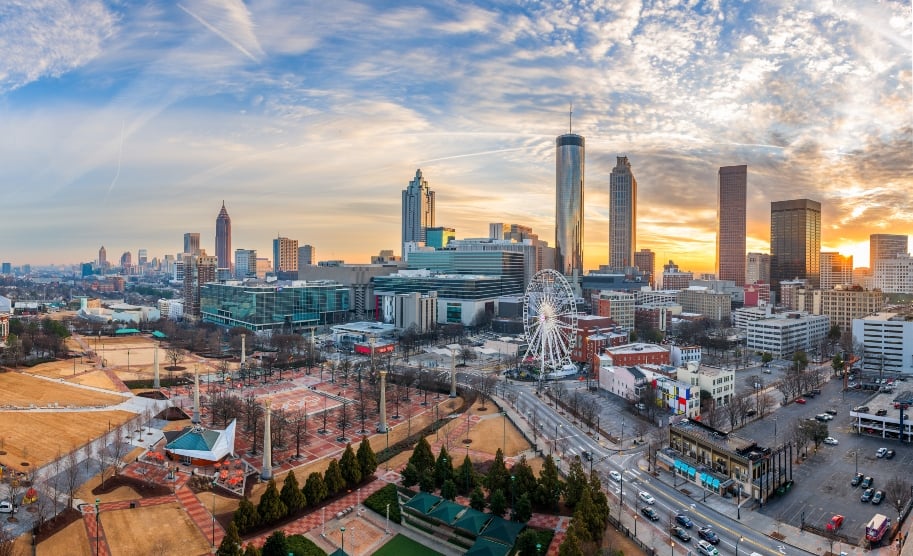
point(21, 390)
point(71, 540)
point(491, 434)
point(37, 438)
point(164, 529)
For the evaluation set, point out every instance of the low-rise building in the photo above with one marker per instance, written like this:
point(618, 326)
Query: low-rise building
point(681, 356)
point(887, 340)
point(788, 333)
point(887, 415)
point(720, 383)
point(703, 300)
point(619, 306)
point(625, 382)
point(843, 305)
point(638, 354)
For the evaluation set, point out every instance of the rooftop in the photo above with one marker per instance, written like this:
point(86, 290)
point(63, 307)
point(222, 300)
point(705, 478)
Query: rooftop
point(726, 441)
point(637, 348)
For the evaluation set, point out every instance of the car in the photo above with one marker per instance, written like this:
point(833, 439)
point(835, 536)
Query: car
point(6, 507)
point(852, 385)
point(882, 452)
point(708, 535)
point(645, 496)
point(867, 495)
point(831, 412)
point(615, 475)
point(877, 497)
point(684, 521)
point(881, 412)
point(800, 400)
point(587, 456)
point(707, 549)
point(835, 523)
point(816, 391)
point(640, 406)
point(889, 454)
point(857, 478)
point(650, 513)
point(830, 440)
point(823, 417)
point(867, 481)
point(809, 394)
point(681, 533)
point(766, 371)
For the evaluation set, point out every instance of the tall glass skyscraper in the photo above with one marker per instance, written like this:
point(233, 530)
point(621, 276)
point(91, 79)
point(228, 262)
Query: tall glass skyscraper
point(795, 241)
point(569, 165)
point(622, 215)
point(730, 213)
point(223, 238)
point(418, 210)
point(886, 246)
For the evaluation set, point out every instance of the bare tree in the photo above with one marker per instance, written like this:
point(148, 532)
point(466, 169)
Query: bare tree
point(898, 491)
point(252, 411)
point(765, 403)
point(175, 355)
point(87, 451)
point(298, 421)
point(7, 543)
point(277, 427)
point(344, 421)
point(71, 475)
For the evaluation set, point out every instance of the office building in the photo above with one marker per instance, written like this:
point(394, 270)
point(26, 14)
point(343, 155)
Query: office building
point(569, 177)
point(887, 339)
point(795, 241)
point(418, 211)
point(731, 219)
point(102, 259)
point(619, 306)
point(622, 214)
point(836, 270)
point(245, 263)
point(785, 334)
point(192, 243)
point(645, 262)
point(358, 279)
point(438, 237)
point(675, 279)
point(757, 268)
point(306, 256)
point(705, 301)
point(142, 258)
point(290, 306)
point(285, 255)
point(198, 270)
point(894, 275)
point(886, 246)
point(223, 238)
point(545, 255)
point(510, 266)
point(844, 305)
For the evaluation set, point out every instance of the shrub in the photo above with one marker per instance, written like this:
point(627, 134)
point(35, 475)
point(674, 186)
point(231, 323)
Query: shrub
point(379, 500)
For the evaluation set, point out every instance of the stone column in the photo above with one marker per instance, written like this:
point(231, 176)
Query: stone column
point(382, 428)
point(243, 349)
point(452, 375)
point(197, 419)
point(267, 472)
point(155, 363)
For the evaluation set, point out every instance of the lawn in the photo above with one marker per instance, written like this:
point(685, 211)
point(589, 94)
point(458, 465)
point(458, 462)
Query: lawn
point(404, 546)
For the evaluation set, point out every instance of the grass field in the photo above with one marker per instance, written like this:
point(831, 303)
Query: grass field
point(404, 546)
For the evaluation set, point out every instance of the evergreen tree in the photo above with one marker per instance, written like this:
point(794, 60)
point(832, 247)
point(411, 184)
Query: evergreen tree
point(524, 478)
point(367, 460)
point(498, 478)
point(291, 495)
point(251, 550)
point(246, 516)
point(276, 545)
point(576, 483)
point(465, 477)
point(443, 467)
point(349, 467)
point(523, 509)
point(498, 503)
point(571, 544)
point(587, 518)
point(426, 481)
point(448, 490)
point(422, 456)
point(550, 487)
point(271, 508)
point(333, 479)
point(411, 475)
point(600, 500)
point(315, 489)
point(477, 500)
point(526, 543)
point(231, 544)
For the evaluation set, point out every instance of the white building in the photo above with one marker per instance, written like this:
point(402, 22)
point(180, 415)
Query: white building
point(682, 355)
point(888, 342)
point(719, 382)
point(742, 316)
point(415, 311)
point(894, 275)
point(787, 334)
point(172, 309)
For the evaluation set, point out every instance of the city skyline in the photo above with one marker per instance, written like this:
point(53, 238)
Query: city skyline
point(138, 120)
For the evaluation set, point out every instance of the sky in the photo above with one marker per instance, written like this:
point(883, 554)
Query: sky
point(126, 124)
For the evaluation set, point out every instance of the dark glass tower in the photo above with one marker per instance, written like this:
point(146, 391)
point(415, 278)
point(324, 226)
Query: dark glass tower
point(731, 219)
point(223, 238)
point(795, 241)
point(569, 163)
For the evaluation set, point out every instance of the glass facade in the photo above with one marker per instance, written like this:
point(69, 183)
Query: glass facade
point(622, 215)
point(795, 241)
point(268, 306)
point(509, 266)
point(569, 166)
point(451, 287)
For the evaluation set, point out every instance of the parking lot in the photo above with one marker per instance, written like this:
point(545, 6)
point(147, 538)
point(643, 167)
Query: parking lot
point(822, 482)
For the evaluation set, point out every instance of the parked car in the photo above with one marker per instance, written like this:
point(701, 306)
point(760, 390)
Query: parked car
point(877, 497)
point(857, 478)
point(684, 521)
point(708, 535)
point(881, 412)
point(882, 452)
point(867, 482)
point(867, 495)
point(835, 523)
point(650, 513)
point(645, 496)
point(681, 533)
point(707, 549)
point(615, 475)
point(800, 400)
point(831, 412)
point(6, 507)
point(831, 441)
point(861, 409)
point(889, 454)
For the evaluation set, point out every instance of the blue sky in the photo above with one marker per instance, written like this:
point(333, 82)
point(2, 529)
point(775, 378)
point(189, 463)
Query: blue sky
point(126, 124)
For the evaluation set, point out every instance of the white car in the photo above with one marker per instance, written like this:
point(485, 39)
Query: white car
point(615, 475)
point(645, 496)
point(831, 440)
point(707, 549)
point(6, 507)
point(881, 452)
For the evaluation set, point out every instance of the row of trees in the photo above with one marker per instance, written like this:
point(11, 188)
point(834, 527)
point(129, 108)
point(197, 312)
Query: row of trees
point(591, 514)
point(34, 338)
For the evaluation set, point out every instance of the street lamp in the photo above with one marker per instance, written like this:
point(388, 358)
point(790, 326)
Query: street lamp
point(737, 544)
point(97, 532)
point(504, 432)
point(342, 533)
point(557, 426)
point(738, 504)
point(387, 528)
point(673, 548)
point(635, 526)
point(213, 544)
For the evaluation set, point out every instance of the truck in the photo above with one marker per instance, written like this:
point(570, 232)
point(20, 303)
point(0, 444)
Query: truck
point(876, 528)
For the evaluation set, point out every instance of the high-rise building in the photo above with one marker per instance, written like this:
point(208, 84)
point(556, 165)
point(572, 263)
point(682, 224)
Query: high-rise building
point(245, 263)
point(7, 268)
point(102, 259)
point(894, 275)
point(836, 270)
point(757, 268)
point(645, 261)
point(142, 257)
point(795, 241)
point(223, 238)
point(675, 279)
point(307, 255)
point(198, 270)
point(569, 176)
point(285, 254)
point(731, 214)
point(886, 246)
point(622, 215)
point(439, 236)
point(418, 210)
point(126, 262)
point(192, 243)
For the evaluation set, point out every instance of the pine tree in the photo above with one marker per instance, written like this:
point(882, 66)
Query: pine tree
point(246, 516)
point(276, 545)
point(426, 481)
point(422, 456)
point(600, 500)
point(315, 489)
point(448, 490)
point(411, 475)
point(231, 544)
point(498, 478)
point(367, 460)
point(349, 467)
point(251, 550)
point(576, 483)
point(498, 503)
point(550, 487)
point(477, 499)
point(465, 477)
point(571, 544)
point(333, 478)
point(524, 478)
point(271, 508)
point(443, 467)
point(523, 509)
point(291, 495)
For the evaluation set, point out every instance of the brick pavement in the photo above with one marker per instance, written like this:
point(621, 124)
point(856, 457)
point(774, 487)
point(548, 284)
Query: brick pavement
point(201, 516)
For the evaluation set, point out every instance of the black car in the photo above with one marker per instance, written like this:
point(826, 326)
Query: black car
point(708, 535)
point(681, 533)
point(857, 478)
point(867, 495)
point(831, 412)
point(890, 454)
point(650, 513)
point(684, 521)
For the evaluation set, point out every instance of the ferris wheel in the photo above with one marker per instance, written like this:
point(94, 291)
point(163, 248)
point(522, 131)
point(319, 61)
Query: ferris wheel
point(550, 320)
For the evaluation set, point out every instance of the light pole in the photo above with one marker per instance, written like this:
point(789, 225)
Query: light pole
point(737, 545)
point(342, 534)
point(97, 532)
point(738, 504)
point(213, 544)
point(635, 526)
point(673, 548)
point(128, 360)
point(387, 528)
point(557, 426)
point(504, 433)
point(775, 431)
point(856, 454)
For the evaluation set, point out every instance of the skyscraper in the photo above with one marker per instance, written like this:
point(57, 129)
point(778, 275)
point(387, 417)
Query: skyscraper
point(645, 261)
point(418, 210)
point(198, 270)
point(307, 255)
point(836, 270)
point(622, 215)
point(731, 211)
point(245, 263)
point(223, 238)
point(569, 177)
point(285, 255)
point(886, 246)
point(795, 241)
point(102, 258)
point(757, 268)
point(192, 243)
